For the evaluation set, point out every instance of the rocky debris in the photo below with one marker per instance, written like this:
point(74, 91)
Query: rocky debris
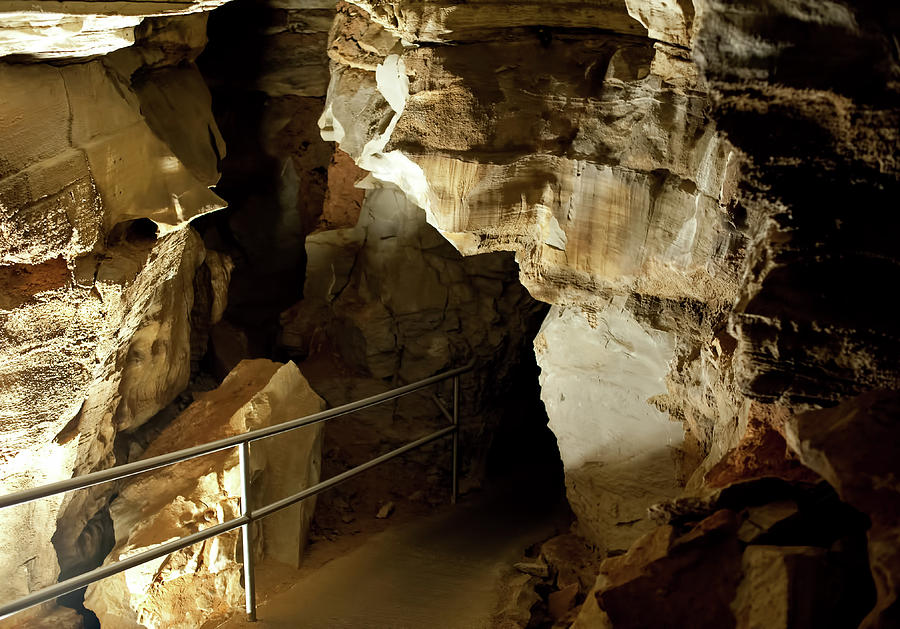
point(787, 586)
point(102, 165)
point(854, 446)
point(699, 570)
point(560, 602)
point(563, 573)
point(191, 586)
point(763, 519)
point(762, 452)
point(47, 616)
point(744, 560)
point(385, 511)
point(534, 568)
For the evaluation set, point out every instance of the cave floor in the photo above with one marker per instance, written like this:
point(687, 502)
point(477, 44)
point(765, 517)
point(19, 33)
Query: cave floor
point(449, 570)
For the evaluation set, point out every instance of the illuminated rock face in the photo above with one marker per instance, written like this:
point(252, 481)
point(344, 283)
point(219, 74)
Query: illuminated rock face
point(618, 450)
point(62, 30)
point(191, 586)
point(97, 300)
point(586, 148)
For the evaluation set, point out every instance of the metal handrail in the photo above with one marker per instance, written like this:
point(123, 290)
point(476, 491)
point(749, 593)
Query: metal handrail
point(247, 516)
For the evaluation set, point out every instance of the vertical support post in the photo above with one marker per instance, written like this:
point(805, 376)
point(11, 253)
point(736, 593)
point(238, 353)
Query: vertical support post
point(455, 489)
point(249, 574)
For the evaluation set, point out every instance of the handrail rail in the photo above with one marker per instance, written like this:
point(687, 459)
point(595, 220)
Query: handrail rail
point(248, 516)
point(130, 469)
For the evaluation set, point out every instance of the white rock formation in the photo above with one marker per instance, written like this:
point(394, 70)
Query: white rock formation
point(186, 588)
point(619, 452)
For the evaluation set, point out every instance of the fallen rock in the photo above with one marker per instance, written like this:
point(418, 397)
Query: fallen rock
point(385, 511)
point(188, 587)
point(561, 601)
point(762, 519)
point(795, 587)
point(761, 453)
point(670, 577)
point(572, 560)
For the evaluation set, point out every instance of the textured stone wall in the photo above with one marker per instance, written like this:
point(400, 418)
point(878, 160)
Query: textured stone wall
point(586, 149)
point(102, 164)
point(194, 585)
point(703, 192)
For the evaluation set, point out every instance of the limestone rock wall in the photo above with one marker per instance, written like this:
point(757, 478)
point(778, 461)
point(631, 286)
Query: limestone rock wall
point(65, 30)
point(619, 451)
point(586, 148)
point(102, 164)
point(193, 585)
point(810, 96)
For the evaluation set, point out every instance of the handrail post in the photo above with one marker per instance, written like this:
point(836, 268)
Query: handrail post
point(249, 575)
point(455, 489)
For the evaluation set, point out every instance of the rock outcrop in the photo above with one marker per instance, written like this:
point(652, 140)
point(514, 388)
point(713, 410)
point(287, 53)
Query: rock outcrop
point(703, 193)
point(760, 554)
point(854, 447)
point(678, 181)
point(191, 586)
point(586, 148)
point(388, 301)
point(102, 165)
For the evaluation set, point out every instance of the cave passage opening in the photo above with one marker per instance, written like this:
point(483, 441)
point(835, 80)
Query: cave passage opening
point(356, 288)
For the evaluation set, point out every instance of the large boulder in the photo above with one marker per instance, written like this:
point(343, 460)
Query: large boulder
point(186, 588)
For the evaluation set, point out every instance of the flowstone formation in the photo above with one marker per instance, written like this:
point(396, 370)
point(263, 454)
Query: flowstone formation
point(102, 164)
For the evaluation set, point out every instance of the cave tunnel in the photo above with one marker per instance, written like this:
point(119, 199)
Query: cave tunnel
point(647, 240)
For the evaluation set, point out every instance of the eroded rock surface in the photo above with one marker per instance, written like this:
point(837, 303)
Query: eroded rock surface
point(586, 148)
point(102, 165)
point(62, 30)
point(854, 447)
point(189, 587)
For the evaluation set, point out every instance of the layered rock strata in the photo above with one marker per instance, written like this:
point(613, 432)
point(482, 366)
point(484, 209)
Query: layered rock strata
point(65, 30)
point(585, 148)
point(811, 96)
point(102, 165)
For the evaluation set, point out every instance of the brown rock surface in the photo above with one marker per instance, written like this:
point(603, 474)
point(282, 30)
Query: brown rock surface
point(585, 147)
point(191, 586)
point(854, 446)
point(669, 581)
point(61, 30)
